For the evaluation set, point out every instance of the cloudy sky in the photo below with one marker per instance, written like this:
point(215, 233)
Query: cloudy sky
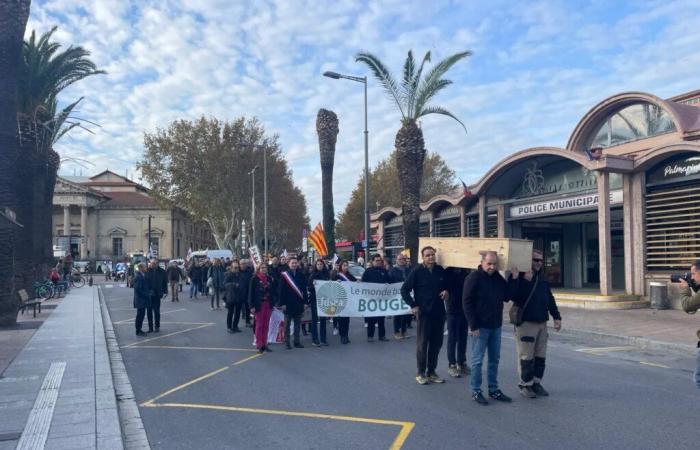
point(537, 67)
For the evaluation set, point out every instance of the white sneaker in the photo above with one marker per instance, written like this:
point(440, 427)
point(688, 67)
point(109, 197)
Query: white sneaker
point(335, 332)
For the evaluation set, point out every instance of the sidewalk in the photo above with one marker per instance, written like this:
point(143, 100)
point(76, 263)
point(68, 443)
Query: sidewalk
point(665, 330)
point(58, 392)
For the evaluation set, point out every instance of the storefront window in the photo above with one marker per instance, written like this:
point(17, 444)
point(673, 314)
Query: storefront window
point(447, 227)
point(638, 121)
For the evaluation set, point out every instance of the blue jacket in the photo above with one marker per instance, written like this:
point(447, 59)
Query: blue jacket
point(142, 299)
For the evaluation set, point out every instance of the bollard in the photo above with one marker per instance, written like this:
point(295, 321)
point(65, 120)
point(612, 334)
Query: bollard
point(90, 280)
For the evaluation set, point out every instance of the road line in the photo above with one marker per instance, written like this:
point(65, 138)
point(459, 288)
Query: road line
point(654, 364)
point(598, 350)
point(134, 344)
point(406, 427)
point(174, 347)
point(247, 359)
point(162, 313)
point(183, 386)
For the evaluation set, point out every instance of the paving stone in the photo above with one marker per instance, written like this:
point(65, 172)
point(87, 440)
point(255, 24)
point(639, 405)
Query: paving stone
point(77, 442)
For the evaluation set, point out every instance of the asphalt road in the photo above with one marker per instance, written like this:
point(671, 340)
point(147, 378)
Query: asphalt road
point(200, 387)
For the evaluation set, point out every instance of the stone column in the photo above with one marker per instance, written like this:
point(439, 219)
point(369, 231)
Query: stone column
point(431, 225)
point(83, 232)
point(604, 233)
point(483, 216)
point(638, 237)
point(462, 220)
point(66, 221)
point(501, 211)
point(628, 221)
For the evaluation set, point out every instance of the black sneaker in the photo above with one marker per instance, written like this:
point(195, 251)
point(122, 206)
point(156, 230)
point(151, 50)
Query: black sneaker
point(267, 349)
point(288, 347)
point(261, 350)
point(527, 392)
point(298, 345)
point(383, 339)
point(539, 390)
point(500, 396)
point(478, 397)
point(315, 344)
point(236, 330)
point(230, 330)
point(140, 333)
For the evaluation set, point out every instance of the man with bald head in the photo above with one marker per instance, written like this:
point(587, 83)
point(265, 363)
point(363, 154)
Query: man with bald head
point(484, 293)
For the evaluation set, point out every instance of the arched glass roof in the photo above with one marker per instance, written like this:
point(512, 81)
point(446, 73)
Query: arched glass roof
point(631, 123)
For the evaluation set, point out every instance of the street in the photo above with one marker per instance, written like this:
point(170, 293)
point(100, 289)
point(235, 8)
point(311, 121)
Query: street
point(199, 387)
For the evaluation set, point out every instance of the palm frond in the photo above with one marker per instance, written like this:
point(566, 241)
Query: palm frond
point(427, 92)
point(414, 85)
point(435, 74)
point(409, 70)
point(383, 75)
point(441, 111)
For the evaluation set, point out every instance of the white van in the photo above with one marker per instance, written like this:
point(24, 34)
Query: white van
point(211, 254)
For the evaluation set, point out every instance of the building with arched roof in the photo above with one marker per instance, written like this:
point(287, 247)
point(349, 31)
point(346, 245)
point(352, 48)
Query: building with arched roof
point(609, 221)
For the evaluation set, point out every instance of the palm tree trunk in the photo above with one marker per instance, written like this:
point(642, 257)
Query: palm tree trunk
point(13, 20)
point(327, 129)
point(410, 154)
point(26, 157)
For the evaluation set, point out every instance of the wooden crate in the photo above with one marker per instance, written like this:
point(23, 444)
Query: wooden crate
point(465, 252)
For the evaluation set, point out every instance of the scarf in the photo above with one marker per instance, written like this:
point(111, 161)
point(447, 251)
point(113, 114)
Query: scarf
point(265, 281)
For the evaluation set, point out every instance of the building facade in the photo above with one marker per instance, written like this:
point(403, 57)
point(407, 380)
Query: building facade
point(105, 217)
point(608, 224)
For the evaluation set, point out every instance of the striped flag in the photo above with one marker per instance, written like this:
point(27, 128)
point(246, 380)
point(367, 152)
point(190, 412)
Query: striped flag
point(318, 240)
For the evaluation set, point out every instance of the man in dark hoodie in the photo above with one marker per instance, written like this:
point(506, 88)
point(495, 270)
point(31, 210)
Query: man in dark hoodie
point(247, 274)
point(485, 291)
point(293, 299)
point(531, 335)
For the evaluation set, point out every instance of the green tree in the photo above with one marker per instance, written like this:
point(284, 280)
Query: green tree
point(202, 167)
point(438, 178)
point(13, 21)
point(412, 97)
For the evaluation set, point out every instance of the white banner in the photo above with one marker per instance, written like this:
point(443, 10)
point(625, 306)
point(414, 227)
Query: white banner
point(357, 299)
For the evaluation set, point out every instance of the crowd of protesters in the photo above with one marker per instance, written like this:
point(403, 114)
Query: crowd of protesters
point(468, 303)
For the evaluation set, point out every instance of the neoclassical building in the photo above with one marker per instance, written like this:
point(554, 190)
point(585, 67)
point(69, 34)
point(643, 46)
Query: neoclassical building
point(105, 217)
point(607, 225)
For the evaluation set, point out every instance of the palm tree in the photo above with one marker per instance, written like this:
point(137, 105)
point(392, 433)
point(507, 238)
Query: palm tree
point(13, 20)
point(327, 129)
point(412, 96)
point(45, 71)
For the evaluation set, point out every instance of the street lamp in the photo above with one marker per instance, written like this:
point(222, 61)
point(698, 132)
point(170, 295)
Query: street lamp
point(252, 172)
point(363, 80)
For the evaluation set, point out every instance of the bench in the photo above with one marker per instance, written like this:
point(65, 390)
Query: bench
point(26, 303)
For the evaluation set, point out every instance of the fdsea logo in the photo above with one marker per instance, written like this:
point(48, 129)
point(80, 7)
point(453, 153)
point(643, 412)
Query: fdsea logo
point(332, 298)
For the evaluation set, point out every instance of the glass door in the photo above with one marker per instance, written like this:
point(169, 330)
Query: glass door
point(549, 242)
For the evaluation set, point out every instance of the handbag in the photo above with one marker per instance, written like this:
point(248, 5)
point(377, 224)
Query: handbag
point(515, 314)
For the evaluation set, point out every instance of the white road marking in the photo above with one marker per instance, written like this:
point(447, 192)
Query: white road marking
point(37, 428)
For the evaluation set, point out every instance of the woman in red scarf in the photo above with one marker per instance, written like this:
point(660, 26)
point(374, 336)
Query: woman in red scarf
point(260, 298)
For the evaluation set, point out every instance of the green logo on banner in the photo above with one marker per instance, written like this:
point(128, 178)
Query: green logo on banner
point(332, 298)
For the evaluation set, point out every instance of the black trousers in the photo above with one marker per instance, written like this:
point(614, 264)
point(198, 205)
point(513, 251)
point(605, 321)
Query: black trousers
point(456, 339)
point(343, 326)
point(154, 313)
point(233, 315)
point(401, 322)
point(429, 342)
point(246, 312)
point(216, 295)
point(140, 314)
point(371, 322)
point(297, 327)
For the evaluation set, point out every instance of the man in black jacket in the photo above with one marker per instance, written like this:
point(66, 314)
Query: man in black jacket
point(247, 274)
point(398, 274)
point(485, 291)
point(456, 324)
point(531, 335)
point(142, 297)
point(158, 287)
point(293, 299)
point(376, 274)
point(429, 285)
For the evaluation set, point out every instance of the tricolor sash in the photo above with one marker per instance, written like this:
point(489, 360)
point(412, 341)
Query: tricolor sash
point(343, 276)
point(290, 282)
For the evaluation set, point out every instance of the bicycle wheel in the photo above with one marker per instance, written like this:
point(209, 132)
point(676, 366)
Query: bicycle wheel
point(44, 292)
point(78, 282)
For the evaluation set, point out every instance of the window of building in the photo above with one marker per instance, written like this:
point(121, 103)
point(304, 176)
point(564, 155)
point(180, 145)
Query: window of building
point(472, 225)
point(155, 244)
point(424, 229)
point(117, 247)
point(638, 121)
point(447, 227)
point(393, 237)
point(492, 225)
point(673, 227)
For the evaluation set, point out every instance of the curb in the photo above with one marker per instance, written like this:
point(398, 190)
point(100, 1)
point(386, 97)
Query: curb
point(133, 432)
point(639, 342)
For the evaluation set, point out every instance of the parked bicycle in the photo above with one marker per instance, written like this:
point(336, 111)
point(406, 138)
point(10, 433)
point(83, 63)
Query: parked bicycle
point(43, 289)
point(77, 280)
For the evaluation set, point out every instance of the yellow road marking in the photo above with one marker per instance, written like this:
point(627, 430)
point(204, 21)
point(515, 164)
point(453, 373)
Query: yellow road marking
point(134, 344)
point(183, 386)
point(406, 427)
point(654, 364)
point(598, 350)
point(162, 313)
point(247, 359)
point(174, 347)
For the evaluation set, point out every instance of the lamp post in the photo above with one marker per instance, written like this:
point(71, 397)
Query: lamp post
point(252, 214)
point(363, 80)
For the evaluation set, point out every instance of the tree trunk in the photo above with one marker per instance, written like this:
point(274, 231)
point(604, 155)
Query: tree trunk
point(44, 171)
point(13, 20)
point(24, 189)
point(327, 129)
point(410, 154)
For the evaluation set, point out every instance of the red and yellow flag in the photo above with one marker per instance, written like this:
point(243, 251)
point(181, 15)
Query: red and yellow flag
point(318, 240)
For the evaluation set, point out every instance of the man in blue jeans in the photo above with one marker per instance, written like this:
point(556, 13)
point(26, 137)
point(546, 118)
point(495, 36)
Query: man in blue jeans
point(485, 291)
